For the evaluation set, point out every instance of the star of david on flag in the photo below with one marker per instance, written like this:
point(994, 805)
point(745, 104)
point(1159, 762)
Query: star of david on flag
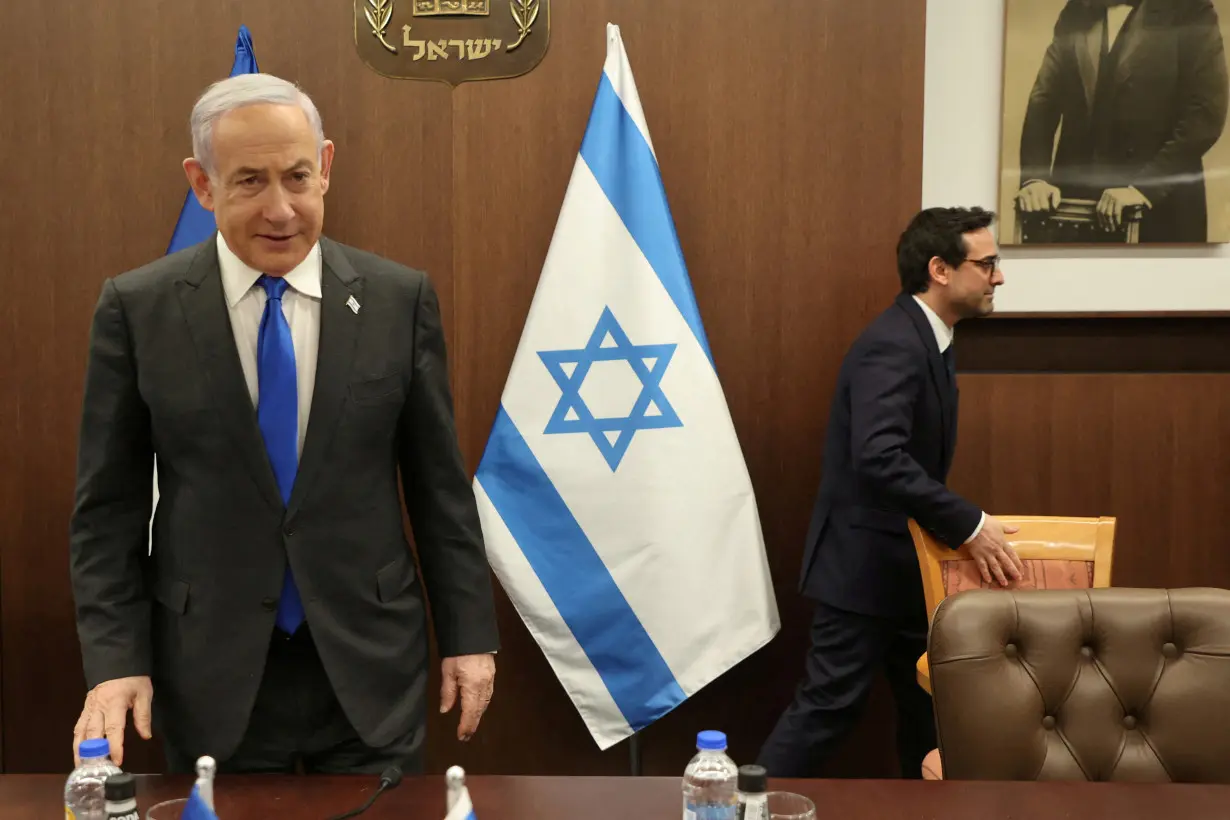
point(609, 343)
point(615, 503)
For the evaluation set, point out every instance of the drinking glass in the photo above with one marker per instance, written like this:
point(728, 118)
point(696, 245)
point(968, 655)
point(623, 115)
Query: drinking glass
point(169, 810)
point(789, 806)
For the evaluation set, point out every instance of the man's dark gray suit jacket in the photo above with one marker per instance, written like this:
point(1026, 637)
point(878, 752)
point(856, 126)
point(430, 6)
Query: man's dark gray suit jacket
point(197, 612)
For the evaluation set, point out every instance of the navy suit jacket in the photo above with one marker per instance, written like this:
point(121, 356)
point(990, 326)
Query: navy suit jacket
point(891, 435)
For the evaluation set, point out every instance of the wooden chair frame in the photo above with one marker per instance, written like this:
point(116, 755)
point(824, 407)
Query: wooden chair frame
point(1039, 538)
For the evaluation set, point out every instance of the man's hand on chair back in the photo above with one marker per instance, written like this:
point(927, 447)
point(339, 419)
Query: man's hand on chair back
point(996, 559)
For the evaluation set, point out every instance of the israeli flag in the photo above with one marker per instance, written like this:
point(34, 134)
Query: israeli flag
point(615, 503)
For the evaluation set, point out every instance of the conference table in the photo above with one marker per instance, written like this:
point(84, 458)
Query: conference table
point(263, 797)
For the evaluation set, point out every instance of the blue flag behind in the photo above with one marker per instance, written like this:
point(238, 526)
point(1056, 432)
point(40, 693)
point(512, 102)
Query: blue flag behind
point(616, 506)
point(195, 223)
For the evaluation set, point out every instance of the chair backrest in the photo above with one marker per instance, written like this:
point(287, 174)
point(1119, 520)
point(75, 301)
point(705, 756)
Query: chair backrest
point(1058, 553)
point(1103, 684)
point(1075, 220)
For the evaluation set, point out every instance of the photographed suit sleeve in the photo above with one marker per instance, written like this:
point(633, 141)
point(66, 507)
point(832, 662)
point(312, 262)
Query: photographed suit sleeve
point(1045, 107)
point(439, 498)
point(109, 531)
point(1201, 108)
point(884, 387)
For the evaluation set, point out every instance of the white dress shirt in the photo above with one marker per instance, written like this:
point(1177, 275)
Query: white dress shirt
point(245, 301)
point(943, 338)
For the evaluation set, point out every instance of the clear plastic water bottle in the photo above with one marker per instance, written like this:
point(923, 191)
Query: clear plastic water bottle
point(84, 793)
point(710, 781)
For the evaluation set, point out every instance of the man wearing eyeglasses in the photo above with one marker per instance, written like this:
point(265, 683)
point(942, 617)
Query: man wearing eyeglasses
point(891, 436)
point(1137, 91)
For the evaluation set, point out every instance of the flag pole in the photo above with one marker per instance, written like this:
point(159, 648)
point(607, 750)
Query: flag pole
point(634, 754)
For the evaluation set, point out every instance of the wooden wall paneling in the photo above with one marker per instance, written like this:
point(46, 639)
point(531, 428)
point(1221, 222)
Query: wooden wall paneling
point(1144, 344)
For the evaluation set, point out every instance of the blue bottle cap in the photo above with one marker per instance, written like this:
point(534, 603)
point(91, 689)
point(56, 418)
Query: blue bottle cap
point(711, 740)
point(99, 747)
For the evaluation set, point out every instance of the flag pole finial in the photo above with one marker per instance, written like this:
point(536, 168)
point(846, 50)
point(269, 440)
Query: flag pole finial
point(206, 769)
point(455, 777)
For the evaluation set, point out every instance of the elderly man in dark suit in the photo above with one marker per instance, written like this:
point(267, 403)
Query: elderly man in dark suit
point(283, 381)
point(1138, 91)
point(891, 435)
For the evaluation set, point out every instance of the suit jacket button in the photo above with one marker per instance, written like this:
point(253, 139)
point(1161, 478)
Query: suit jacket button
point(269, 604)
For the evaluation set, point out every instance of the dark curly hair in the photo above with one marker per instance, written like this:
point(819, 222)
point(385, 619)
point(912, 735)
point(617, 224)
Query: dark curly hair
point(935, 232)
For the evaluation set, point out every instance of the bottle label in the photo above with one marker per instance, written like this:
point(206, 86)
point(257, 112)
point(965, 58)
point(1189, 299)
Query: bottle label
point(755, 807)
point(123, 809)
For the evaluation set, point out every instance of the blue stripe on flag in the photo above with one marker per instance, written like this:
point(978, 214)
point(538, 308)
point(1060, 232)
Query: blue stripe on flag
point(578, 583)
point(622, 162)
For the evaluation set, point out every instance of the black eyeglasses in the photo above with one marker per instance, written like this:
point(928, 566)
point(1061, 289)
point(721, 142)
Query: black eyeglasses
point(988, 265)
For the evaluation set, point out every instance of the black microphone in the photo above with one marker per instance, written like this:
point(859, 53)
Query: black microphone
point(389, 779)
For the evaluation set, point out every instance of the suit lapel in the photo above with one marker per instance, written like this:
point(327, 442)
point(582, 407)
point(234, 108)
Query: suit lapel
point(950, 440)
point(1146, 16)
point(339, 332)
point(1089, 57)
point(939, 372)
point(204, 305)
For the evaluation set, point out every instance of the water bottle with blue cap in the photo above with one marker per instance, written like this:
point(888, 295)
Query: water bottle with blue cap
point(85, 796)
point(710, 782)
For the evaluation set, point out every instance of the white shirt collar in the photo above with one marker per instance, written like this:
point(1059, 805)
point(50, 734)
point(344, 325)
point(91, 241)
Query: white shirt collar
point(238, 278)
point(943, 333)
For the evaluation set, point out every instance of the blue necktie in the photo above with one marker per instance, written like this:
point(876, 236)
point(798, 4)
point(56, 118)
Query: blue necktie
point(277, 413)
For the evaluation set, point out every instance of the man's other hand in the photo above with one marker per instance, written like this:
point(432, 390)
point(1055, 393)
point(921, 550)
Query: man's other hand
point(474, 677)
point(1115, 202)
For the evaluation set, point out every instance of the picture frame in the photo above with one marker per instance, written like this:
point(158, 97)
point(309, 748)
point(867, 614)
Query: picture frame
point(962, 154)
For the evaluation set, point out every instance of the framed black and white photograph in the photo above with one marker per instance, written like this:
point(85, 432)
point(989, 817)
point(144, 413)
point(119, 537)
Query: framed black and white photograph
point(1113, 122)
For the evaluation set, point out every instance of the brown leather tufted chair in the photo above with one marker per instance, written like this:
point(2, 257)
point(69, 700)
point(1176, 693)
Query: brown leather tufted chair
point(1058, 553)
point(1101, 684)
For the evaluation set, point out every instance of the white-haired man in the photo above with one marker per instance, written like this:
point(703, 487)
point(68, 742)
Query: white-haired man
point(283, 381)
